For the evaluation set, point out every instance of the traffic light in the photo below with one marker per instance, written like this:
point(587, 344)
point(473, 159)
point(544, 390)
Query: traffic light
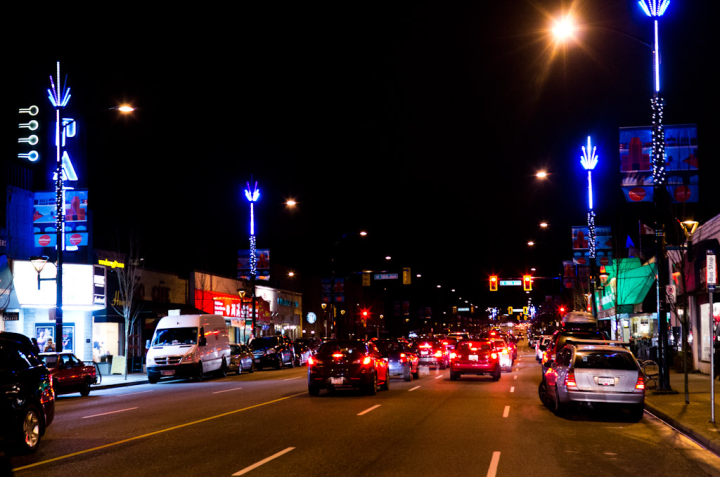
point(493, 283)
point(527, 282)
point(510, 310)
point(525, 310)
point(364, 317)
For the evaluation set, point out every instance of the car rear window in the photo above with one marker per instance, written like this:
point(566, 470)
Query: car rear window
point(500, 343)
point(477, 345)
point(605, 360)
point(342, 347)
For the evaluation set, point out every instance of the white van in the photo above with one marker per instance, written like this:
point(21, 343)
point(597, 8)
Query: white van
point(188, 346)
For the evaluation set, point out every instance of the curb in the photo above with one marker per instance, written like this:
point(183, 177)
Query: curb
point(119, 385)
point(712, 445)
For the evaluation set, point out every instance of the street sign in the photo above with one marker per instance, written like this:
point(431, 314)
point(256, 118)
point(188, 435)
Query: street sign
point(510, 283)
point(711, 270)
point(385, 276)
point(671, 293)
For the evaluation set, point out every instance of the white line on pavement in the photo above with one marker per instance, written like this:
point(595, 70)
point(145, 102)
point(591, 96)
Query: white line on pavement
point(413, 389)
point(512, 389)
point(288, 379)
point(369, 409)
point(111, 412)
point(130, 394)
point(226, 390)
point(515, 377)
point(492, 471)
point(506, 412)
point(264, 461)
point(438, 377)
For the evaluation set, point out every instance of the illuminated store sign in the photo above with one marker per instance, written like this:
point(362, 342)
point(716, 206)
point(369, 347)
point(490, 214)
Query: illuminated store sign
point(113, 264)
point(78, 291)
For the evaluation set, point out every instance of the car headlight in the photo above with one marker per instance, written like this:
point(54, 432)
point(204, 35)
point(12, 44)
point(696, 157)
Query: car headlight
point(188, 357)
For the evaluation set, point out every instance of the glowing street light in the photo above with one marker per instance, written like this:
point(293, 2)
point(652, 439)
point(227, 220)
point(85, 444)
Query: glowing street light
point(252, 195)
point(564, 28)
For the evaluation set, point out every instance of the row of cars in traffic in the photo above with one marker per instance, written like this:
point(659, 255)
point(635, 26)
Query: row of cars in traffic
point(367, 365)
point(581, 366)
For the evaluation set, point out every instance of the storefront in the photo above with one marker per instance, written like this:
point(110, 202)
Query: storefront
point(31, 308)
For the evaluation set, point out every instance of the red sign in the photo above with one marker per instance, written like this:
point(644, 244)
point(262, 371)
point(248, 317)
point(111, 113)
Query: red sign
point(44, 240)
point(75, 239)
point(637, 194)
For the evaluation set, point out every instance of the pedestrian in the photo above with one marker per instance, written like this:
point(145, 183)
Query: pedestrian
point(49, 345)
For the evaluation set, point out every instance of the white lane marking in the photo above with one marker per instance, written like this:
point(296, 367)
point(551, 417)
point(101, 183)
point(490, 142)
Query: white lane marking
point(492, 471)
point(515, 377)
point(413, 389)
point(130, 394)
point(506, 412)
point(226, 390)
point(111, 412)
point(438, 377)
point(288, 379)
point(264, 461)
point(369, 409)
point(512, 389)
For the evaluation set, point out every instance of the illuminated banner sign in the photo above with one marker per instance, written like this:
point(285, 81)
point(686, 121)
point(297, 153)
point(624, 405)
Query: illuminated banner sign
point(681, 163)
point(230, 306)
point(76, 226)
point(263, 264)
point(78, 290)
point(581, 234)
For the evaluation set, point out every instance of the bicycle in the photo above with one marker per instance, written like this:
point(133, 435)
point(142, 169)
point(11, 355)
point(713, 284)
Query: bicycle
point(651, 373)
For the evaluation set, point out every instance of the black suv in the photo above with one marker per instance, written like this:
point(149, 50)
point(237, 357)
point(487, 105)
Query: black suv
point(27, 403)
point(273, 351)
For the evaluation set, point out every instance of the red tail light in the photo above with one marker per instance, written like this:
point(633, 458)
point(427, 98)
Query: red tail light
point(640, 382)
point(570, 380)
point(311, 361)
point(402, 357)
point(48, 393)
point(337, 355)
point(367, 361)
point(494, 355)
point(438, 354)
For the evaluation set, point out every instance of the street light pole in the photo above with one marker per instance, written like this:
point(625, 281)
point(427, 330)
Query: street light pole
point(656, 9)
point(589, 160)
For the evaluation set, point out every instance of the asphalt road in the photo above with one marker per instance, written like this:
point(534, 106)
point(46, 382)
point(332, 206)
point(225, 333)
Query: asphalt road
point(266, 424)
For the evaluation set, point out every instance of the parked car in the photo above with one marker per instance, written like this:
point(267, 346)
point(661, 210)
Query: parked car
point(27, 403)
point(70, 375)
point(589, 371)
point(477, 357)
point(272, 351)
point(347, 364)
point(431, 353)
point(402, 360)
point(541, 345)
point(241, 359)
point(302, 352)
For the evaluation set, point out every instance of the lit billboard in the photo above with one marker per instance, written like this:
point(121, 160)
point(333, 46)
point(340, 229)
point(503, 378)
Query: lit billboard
point(76, 222)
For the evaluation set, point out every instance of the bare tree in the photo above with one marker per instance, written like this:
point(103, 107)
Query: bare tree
point(129, 279)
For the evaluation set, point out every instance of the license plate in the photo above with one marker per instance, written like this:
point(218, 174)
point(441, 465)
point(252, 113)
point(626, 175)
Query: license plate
point(473, 357)
point(336, 381)
point(423, 353)
point(606, 381)
point(257, 360)
point(168, 373)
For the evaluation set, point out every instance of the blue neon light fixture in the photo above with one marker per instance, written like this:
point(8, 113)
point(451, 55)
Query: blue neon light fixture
point(589, 160)
point(252, 196)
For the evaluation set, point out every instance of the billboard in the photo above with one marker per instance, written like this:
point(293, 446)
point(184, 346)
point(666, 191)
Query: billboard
point(263, 264)
point(76, 223)
point(603, 245)
point(681, 163)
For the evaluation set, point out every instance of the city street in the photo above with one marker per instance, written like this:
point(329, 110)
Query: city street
point(267, 424)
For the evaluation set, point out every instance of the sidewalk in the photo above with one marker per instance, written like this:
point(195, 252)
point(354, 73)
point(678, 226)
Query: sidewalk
point(692, 419)
point(118, 380)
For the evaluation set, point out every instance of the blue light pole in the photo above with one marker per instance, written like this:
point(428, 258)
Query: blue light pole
point(656, 9)
point(589, 160)
point(252, 196)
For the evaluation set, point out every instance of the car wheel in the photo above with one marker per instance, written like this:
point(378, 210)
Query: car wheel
point(408, 375)
point(372, 389)
point(542, 392)
point(637, 412)
point(442, 365)
point(292, 362)
point(314, 390)
point(222, 372)
point(85, 390)
point(454, 376)
point(239, 368)
point(416, 374)
point(28, 438)
point(279, 364)
point(199, 372)
point(152, 380)
point(496, 375)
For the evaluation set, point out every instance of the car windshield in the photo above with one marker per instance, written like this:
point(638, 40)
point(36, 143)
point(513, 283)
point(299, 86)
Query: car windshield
point(344, 347)
point(50, 361)
point(500, 343)
point(474, 346)
point(262, 343)
point(175, 336)
point(605, 360)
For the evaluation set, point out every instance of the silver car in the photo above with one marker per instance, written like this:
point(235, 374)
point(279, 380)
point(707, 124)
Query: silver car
point(541, 345)
point(241, 359)
point(587, 371)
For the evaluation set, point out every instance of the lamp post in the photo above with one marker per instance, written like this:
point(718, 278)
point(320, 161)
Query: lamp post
point(252, 196)
point(589, 160)
point(656, 9)
point(59, 96)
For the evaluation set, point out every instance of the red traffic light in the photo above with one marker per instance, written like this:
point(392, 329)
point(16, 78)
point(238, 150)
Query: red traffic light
point(527, 282)
point(493, 283)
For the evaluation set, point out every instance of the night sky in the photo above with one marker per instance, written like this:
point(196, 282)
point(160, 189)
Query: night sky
point(421, 123)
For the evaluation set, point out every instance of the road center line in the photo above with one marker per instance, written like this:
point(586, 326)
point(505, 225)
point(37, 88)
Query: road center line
point(226, 390)
point(506, 412)
point(264, 461)
point(438, 377)
point(512, 389)
point(161, 431)
point(492, 471)
point(413, 389)
point(369, 409)
point(296, 377)
point(111, 412)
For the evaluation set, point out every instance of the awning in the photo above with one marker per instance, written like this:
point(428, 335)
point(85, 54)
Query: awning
point(627, 285)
